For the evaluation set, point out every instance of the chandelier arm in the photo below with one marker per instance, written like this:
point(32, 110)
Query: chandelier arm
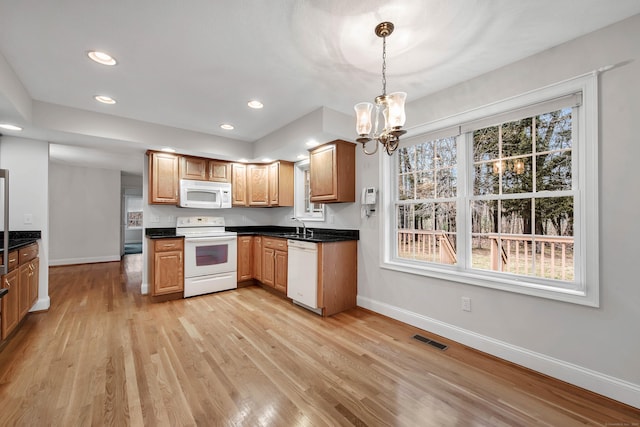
point(364, 148)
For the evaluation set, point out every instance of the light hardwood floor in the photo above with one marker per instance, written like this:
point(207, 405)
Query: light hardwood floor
point(104, 355)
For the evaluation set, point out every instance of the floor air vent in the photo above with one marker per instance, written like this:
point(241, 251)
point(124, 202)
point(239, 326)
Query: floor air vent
point(432, 343)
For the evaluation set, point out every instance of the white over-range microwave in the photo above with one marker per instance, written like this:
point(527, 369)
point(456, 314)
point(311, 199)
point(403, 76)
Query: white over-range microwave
point(205, 194)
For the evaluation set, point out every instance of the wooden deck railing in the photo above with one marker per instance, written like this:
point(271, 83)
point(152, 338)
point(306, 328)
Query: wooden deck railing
point(549, 257)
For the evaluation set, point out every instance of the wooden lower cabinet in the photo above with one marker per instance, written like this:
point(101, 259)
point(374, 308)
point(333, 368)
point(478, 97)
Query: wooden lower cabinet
point(245, 258)
point(167, 266)
point(337, 276)
point(34, 282)
point(26, 273)
point(280, 273)
point(274, 263)
point(10, 302)
point(257, 258)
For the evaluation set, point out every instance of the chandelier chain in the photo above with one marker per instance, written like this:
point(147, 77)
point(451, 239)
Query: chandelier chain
point(384, 66)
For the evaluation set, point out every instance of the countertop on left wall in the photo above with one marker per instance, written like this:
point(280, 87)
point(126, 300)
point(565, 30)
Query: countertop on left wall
point(19, 239)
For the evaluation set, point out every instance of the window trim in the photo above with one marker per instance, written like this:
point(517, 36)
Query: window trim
point(586, 236)
point(299, 199)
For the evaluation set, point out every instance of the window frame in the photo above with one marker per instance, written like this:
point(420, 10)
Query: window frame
point(586, 230)
point(299, 210)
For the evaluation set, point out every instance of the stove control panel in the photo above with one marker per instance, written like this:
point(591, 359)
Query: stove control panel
point(200, 221)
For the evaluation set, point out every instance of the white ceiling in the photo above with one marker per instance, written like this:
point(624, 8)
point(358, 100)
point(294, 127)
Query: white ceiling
point(194, 64)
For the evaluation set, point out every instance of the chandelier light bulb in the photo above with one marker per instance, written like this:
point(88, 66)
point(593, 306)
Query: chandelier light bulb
point(363, 117)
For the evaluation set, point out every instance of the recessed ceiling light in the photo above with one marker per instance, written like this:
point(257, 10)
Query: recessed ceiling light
point(255, 104)
point(9, 126)
point(105, 99)
point(226, 126)
point(312, 143)
point(168, 150)
point(101, 57)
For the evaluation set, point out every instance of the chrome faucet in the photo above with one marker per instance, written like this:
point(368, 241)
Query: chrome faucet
point(304, 227)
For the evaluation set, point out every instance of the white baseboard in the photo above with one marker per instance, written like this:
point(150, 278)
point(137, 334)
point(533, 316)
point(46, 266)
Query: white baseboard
point(144, 288)
point(42, 304)
point(88, 260)
point(614, 388)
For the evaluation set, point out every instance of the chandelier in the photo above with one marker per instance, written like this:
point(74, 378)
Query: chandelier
point(391, 107)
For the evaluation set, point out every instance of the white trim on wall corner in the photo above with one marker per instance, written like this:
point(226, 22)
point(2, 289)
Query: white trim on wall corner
point(144, 288)
point(614, 388)
point(90, 260)
point(41, 305)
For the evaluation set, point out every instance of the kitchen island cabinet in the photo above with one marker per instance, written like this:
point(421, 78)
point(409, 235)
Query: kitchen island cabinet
point(10, 303)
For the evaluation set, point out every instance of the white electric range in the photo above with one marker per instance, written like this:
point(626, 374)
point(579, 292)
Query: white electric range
point(210, 255)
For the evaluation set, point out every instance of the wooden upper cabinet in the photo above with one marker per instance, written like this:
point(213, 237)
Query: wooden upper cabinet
point(281, 184)
point(163, 178)
point(194, 168)
point(258, 185)
point(332, 172)
point(219, 171)
point(239, 184)
point(202, 169)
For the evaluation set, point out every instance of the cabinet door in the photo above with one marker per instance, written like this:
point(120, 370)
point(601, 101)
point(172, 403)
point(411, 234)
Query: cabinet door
point(322, 174)
point(245, 251)
point(280, 278)
point(239, 184)
point(268, 266)
point(10, 309)
point(168, 277)
point(332, 172)
point(274, 185)
point(163, 178)
point(26, 272)
point(194, 168)
point(219, 171)
point(34, 282)
point(257, 258)
point(258, 180)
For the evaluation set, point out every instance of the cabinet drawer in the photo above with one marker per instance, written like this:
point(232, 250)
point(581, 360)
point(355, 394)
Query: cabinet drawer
point(27, 253)
point(164, 245)
point(13, 260)
point(275, 243)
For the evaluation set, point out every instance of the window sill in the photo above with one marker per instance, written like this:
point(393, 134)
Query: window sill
point(515, 285)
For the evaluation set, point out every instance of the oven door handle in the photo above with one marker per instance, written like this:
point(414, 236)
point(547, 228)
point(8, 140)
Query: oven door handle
point(210, 239)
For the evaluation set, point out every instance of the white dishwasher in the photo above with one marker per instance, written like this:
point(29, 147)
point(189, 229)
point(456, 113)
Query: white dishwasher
point(302, 271)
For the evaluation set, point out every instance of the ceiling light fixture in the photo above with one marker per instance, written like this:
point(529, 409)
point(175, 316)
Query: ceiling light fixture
point(391, 106)
point(101, 57)
point(105, 99)
point(255, 104)
point(9, 126)
point(226, 126)
point(312, 143)
point(168, 150)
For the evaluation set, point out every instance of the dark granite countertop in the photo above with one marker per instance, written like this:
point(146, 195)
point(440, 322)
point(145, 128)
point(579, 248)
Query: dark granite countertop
point(20, 239)
point(161, 233)
point(3, 292)
point(320, 235)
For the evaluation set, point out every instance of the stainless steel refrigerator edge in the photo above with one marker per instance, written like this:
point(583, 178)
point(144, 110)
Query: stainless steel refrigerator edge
point(4, 175)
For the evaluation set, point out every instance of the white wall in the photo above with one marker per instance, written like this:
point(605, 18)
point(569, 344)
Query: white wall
point(84, 215)
point(596, 348)
point(28, 163)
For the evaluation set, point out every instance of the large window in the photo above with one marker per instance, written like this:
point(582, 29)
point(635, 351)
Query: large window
point(502, 196)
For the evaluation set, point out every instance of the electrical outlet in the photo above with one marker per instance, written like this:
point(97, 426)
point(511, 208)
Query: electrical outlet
point(466, 304)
